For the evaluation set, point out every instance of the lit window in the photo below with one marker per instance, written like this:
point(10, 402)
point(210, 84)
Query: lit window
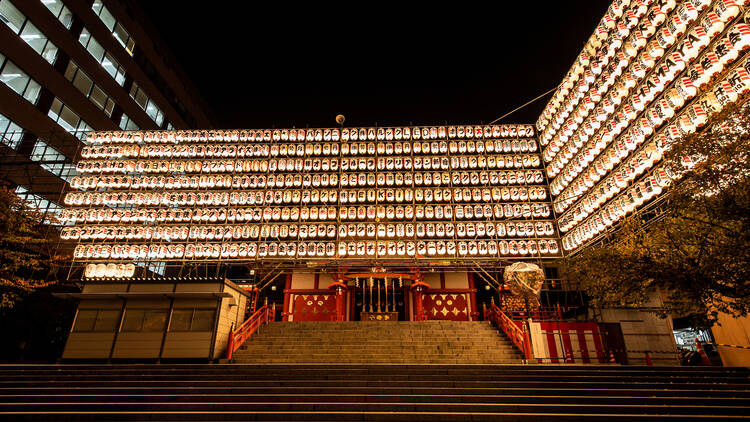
point(156, 267)
point(61, 12)
point(91, 90)
point(29, 33)
point(104, 14)
point(38, 202)
point(101, 100)
point(83, 83)
point(117, 30)
point(68, 119)
point(11, 133)
point(102, 56)
point(12, 16)
point(17, 80)
point(127, 124)
point(146, 104)
point(53, 160)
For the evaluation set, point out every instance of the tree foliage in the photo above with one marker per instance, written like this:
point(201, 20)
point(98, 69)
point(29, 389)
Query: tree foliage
point(27, 257)
point(696, 253)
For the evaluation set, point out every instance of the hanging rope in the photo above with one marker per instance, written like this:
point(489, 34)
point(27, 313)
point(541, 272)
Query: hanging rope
point(518, 108)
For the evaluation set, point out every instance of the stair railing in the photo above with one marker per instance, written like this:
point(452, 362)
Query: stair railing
point(237, 338)
point(518, 335)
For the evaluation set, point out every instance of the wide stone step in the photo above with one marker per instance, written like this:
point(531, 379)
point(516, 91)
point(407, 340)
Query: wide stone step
point(327, 392)
point(404, 347)
point(347, 397)
point(441, 393)
point(249, 407)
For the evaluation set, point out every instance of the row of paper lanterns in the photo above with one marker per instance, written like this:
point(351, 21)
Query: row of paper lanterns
point(353, 180)
point(619, 207)
point(660, 109)
point(363, 212)
point(290, 250)
point(290, 165)
point(724, 91)
point(250, 214)
point(109, 270)
point(330, 196)
point(252, 181)
point(316, 196)
point(332, 134)
point(334, 165)
point(303, 231)
point(310, 150)
point(279, 197)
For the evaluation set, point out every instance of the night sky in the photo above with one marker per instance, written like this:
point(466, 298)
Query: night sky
point(281, 65)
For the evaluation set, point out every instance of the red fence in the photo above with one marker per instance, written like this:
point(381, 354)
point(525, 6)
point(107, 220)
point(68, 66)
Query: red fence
point(244, 331)
point(516, 332)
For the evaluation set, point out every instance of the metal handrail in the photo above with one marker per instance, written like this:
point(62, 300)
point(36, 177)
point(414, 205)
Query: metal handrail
point(237, 338)
point(519, 336)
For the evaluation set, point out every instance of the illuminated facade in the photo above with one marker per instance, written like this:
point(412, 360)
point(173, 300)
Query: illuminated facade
point(371, 196)
point(418, 212)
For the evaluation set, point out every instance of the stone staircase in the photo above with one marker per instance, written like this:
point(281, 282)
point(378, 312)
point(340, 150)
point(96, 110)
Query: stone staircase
point(387, 342)
point(267, 392)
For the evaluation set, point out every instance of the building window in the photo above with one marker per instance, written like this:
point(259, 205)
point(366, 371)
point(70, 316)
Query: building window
point(12, 16)
point(11, 133)
point(39, 203)
point(148, 105)
point(102, 56)
point(18, 80)
point(156, 267)
point(53, 160)
point(192, 319)
point(127, 124)
point(148, 320)
point(117, 30)
point(29, 33)
point(61, 12)
point(68, 119)
point(102, 320)
point(89, 89)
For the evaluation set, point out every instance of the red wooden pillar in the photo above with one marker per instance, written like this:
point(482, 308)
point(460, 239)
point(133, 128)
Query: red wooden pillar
point(340, 288)
point(287, 287)
point(473, 294)
point(417, 287)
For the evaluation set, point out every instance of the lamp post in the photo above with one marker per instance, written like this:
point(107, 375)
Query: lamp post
point(339, 286)
point(418, 287)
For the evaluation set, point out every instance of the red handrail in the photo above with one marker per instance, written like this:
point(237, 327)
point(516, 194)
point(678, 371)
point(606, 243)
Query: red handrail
point(538, 314)
point(519, 336)
point(244, 331)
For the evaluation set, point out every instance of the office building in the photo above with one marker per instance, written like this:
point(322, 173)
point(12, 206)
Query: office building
point(69, 67)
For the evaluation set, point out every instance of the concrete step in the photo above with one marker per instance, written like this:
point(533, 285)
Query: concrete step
point(370, 392)
point(402, 342)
